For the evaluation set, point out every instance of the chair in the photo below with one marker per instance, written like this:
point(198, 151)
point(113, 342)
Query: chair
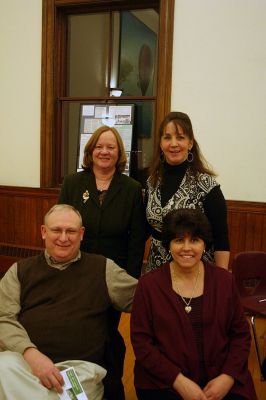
point(249, 270)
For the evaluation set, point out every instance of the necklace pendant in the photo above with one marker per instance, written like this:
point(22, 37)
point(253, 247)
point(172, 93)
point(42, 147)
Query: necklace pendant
point(188, 309)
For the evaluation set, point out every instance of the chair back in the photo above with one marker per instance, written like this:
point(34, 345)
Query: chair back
point(249, 270)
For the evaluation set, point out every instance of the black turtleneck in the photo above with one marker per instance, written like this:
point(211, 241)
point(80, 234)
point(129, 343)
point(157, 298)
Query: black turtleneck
point(172, 178)
point(214, 204)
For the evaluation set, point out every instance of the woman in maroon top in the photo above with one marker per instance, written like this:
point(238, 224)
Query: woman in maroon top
point(190, 336)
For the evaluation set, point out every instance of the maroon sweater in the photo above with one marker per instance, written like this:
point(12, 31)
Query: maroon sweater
point(163, 338)
point(65, 312)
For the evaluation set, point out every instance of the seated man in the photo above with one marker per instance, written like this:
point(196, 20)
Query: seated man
point(54, 311)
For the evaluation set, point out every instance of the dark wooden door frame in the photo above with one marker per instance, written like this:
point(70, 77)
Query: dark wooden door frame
point(52, 10)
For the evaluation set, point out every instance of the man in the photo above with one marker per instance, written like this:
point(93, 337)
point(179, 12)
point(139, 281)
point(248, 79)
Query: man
point(53, 309)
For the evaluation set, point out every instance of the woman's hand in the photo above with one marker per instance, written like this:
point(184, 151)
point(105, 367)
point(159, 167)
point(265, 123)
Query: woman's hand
point(44, 369)
point(218, 387)
point(188, 389)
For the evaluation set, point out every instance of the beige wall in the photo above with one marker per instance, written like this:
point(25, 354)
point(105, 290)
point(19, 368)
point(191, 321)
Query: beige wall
point(20, 92)
point(219, 79)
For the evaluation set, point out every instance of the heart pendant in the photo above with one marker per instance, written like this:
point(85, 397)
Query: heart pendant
point(188, 309)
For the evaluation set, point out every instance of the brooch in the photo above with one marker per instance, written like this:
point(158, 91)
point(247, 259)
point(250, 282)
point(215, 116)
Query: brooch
point(85, 196)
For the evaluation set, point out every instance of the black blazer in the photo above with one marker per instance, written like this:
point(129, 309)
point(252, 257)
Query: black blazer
point(114, 229)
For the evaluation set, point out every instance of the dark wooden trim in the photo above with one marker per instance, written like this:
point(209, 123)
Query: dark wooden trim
point(51, 87)
point(105, 99)
point(27, 192)
point(247, 226)
point(165, 55)
point(100, 4)
point(246, 206)
point(47, 93)
point(22, 210)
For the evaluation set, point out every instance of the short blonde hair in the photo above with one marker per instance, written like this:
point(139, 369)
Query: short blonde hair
point(61, 207)
point(90, 146)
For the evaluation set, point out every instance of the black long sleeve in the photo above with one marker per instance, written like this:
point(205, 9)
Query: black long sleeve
point(216, 211)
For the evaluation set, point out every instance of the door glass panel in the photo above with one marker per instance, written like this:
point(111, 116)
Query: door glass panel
point(88, 38)
point(138, 53)
point(71, 116)
point(131, 65)
point(142, 141)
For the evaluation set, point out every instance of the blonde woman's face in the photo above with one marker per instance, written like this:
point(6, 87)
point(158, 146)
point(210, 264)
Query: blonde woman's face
point(105, 153)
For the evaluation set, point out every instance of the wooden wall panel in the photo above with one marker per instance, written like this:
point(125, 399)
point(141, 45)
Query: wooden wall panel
point(22, 211)
point(247, 226)
point(21, 215)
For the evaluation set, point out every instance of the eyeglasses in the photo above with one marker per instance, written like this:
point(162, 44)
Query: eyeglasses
point(67, 232)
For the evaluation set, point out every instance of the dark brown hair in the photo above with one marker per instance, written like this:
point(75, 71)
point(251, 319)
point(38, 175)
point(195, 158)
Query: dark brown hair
point(198, 165)
point(186, 221)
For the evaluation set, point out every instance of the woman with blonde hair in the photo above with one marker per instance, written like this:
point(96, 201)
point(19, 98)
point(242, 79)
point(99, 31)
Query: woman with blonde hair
point(112, 210)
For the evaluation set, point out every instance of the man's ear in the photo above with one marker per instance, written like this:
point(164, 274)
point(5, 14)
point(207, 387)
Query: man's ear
point(43, 232)
point(82, 230)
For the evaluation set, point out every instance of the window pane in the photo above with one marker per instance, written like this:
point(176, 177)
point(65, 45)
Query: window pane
point(71, 113)
point(138, 53)
point(142, 143)
point(88, 54)
point(144, 138)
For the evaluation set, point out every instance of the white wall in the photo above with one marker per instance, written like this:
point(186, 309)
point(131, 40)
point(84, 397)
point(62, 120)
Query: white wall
point(219, 79)
point(20, 88)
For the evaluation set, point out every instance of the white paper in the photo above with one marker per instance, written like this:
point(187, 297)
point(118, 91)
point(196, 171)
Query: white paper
point(91, 124)
point(88, 110)
point(72, 389)
point(100, 112)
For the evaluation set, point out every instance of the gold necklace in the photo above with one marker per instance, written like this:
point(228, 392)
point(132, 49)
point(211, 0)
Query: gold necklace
point(188, 307)
point(103, 185)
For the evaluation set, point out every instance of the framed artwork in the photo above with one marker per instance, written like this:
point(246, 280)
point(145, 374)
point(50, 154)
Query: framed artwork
point(138, 46)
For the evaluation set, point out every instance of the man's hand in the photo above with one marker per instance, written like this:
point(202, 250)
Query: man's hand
point(218, 387)
point(44, 369)
point(188, 389)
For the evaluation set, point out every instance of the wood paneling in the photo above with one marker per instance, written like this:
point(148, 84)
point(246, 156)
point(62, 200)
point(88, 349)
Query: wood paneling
point(21, 215)
point(22, 211)
point(247, 226)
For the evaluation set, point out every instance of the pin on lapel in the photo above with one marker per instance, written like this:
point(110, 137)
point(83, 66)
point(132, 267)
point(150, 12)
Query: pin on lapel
point(85, 196)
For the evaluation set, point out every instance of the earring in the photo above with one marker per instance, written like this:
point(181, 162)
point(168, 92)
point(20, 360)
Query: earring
point(190, 156)
point(162, 157)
